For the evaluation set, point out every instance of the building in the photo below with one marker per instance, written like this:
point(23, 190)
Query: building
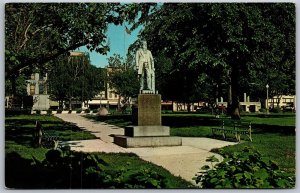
point(107, 98)
point(246, 105)
point(282, 101)
point(37, 88)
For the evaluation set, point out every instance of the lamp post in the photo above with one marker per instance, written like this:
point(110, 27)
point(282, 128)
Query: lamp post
point(267, 86)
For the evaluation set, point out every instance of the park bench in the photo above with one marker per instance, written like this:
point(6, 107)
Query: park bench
point(41, 138)
point(233, 127)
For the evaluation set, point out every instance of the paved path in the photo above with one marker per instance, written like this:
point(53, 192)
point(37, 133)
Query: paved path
point(183, 161)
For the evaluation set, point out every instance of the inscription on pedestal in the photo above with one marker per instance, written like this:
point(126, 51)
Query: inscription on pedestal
point(149, 109)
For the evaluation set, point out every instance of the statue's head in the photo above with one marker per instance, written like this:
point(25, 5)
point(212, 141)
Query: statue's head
point(144, 44)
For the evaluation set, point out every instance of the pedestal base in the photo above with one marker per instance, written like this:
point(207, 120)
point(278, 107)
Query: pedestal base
point(147, 131)
point(125, 141)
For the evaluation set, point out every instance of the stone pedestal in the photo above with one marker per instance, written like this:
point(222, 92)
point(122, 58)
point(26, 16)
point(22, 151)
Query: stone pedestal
point(129, 142)
point(149, 132)
point(149, 109)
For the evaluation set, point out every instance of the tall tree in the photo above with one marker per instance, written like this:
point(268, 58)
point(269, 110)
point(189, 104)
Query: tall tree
point(73, 77)
point(228, 42)
point(115, 61)
point(36, 33)
point(123, 79)
point(125, 83)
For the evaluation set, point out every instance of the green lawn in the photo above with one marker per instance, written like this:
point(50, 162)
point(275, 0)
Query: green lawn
point(130, 162)
point(19, 130)
point(273, 135)
point(26, 166)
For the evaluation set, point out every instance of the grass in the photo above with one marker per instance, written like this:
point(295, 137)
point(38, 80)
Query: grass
point(273, 135)
point(275, 146)
point(29, 175)
point(20, 154)
point(132, 162)
point(19, 130)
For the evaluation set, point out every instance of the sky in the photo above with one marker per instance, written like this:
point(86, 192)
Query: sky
point(119, 43)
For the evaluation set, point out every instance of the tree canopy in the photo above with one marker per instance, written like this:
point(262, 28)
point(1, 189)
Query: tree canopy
point(122, 78)
point(212, 44)
point(37, 33)
point(73, 77)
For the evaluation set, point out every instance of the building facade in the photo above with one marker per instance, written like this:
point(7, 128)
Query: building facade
point(282, 101)
point(37, 88)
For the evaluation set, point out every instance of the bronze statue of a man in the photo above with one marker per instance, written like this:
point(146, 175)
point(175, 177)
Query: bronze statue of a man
point(145, 68)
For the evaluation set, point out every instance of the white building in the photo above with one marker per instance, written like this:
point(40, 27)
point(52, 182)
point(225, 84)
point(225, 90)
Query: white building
point(37, 88)
point(282, 101)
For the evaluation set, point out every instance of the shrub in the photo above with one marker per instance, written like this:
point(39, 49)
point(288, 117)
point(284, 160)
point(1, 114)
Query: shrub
point(78, 111)
point(262, 110)
point(166, 111)
point(246, 169)
point(91, 171)
point(95, 111)
point(18, 111)
point(59, 111)
point(87, 110)
point(49, 112)
point(38, 112)
point(276, 110)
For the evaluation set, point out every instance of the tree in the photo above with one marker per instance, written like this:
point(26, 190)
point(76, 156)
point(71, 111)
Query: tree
point(20, 86)
point(123, 79)
point(228, 42)
point(36, 33)
point(73, 77)
point(115, 61)
point(125, 83)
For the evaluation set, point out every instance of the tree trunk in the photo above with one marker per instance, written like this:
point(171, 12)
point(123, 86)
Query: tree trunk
point(278, 101)
point(13, 85)
point(229, 102)
point(119, 103)
point(70, 103)
point(189, 107)
point(60, 104)
point(235, 103)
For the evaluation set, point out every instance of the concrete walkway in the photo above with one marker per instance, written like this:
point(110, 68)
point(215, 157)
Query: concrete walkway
point(184, 161)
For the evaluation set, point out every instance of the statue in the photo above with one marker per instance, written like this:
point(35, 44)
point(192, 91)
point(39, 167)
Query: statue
point(145, 68)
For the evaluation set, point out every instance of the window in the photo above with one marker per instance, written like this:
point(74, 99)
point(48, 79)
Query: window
point(32, 89)
point(41, 89)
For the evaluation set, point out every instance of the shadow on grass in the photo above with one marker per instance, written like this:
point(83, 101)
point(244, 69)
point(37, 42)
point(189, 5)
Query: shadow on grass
point(264, 128)
point(178, 121)
point(21, 131)
point(85, 171)
point(188, 121)
point(21, 173)
point(275, 115)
